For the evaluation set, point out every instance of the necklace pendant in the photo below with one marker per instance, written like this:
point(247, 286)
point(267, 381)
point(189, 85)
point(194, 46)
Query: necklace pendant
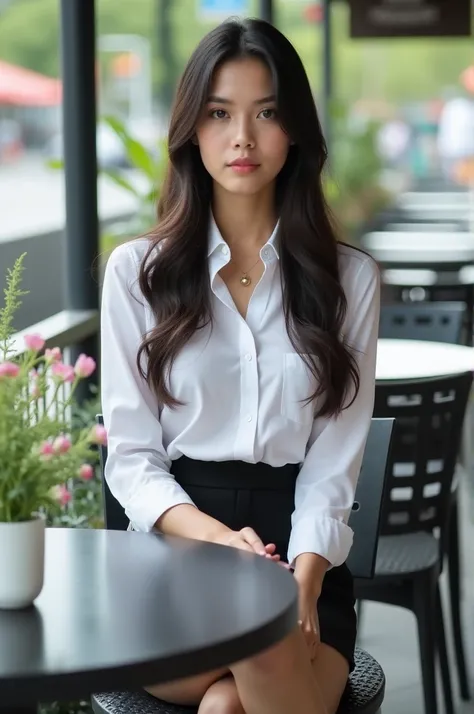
point(245, 281)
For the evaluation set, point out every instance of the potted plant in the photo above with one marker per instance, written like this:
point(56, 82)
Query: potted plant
point(39, 452)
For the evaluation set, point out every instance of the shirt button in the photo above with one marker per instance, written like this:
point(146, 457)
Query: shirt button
point(224, 249)
point(249, 418)
point(266, 252)
point(248, 357)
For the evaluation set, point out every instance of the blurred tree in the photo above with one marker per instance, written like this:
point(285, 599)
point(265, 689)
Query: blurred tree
point(396, 70)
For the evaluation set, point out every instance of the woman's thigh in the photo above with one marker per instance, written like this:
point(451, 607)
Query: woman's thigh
point(331, 671)
point(187, 692)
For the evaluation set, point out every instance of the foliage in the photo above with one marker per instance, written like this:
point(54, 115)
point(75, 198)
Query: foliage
point(85, 508)
point(148, 168)
point(38, 452)
point(393, 69)
point(352, 182)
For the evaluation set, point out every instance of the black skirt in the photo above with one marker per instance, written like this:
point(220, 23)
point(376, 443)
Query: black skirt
point(241, 494)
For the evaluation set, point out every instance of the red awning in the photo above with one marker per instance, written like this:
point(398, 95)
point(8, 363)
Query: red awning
point(22, 87)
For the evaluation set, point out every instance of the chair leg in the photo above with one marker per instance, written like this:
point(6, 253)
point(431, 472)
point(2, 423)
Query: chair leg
point(453, 556)
point(443, 655)
point(425, 612)
point(359, 609)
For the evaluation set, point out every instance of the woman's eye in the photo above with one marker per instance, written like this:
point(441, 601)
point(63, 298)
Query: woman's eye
point(268, 114)
point(218, 113)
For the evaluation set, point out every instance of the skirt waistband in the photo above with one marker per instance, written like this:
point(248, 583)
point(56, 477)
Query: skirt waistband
point(234, 475)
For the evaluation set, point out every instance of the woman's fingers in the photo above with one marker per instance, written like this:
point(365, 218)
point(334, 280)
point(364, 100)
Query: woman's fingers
point(252, 539)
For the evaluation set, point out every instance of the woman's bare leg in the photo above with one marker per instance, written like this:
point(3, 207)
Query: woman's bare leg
point(189, 691)
point(279, 680)
point(222, 698)
point(330, 669)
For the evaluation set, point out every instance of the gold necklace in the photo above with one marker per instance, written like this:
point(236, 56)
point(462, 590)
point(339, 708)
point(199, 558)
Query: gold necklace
point(245, 280)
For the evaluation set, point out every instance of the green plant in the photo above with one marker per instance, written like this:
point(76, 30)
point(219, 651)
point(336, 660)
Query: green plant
point(38, 451)
point(85, 507)
point(352, 183)
point(143, 180)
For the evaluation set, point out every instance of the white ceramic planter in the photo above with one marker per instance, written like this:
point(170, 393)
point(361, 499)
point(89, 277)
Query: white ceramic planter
point(21, 563)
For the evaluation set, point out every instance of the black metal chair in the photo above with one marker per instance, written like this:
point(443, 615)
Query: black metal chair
point(435, 321)
point(415, 516)
point(366, 687)
point(439, 322)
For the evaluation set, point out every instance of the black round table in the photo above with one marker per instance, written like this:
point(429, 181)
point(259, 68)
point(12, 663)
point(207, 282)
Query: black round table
point(120, 610)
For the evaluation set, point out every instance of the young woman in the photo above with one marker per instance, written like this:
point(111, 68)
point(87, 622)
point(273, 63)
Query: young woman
point(238, 352)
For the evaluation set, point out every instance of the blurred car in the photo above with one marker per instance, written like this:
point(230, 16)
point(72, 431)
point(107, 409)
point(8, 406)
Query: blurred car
point(110, 152)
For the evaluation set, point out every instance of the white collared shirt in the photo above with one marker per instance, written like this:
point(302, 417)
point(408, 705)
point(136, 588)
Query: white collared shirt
point(242, 384)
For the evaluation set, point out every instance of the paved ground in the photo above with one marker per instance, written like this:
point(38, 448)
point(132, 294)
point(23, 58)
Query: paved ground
point(32, 199)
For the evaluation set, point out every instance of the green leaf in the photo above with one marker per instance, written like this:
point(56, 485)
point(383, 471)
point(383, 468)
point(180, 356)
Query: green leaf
point(121, 181)
point(17, 492)
point(137, 154)
point(55, 164)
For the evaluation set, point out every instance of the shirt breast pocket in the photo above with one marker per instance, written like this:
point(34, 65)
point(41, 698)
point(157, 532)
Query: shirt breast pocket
point(298, 385)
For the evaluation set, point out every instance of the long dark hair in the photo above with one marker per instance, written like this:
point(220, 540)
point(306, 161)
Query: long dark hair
point(175, 279)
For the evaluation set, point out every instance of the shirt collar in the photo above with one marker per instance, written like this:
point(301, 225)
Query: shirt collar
point(216, 241)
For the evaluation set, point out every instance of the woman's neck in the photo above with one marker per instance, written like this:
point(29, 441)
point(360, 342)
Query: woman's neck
point(245, 222)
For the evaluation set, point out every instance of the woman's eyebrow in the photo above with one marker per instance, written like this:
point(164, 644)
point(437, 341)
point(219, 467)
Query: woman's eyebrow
point(222, 100)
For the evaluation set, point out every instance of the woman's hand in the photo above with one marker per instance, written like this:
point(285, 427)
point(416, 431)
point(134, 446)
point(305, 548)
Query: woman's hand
point(247, 539)
point(310, 570)
point(308, 619)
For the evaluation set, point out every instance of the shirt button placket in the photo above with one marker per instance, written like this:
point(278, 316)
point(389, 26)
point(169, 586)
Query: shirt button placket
point(248, 396)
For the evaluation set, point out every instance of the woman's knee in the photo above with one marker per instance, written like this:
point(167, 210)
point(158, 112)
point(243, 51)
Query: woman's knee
point(221, 698)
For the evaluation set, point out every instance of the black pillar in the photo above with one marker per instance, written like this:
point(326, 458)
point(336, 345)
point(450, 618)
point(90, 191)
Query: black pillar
point(327, 70)
point(79, 132)
point(267, 11)
point(166, 51)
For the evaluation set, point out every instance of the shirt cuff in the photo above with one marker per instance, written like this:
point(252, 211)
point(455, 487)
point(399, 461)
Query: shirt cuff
point(327, 537)
point(154, 499)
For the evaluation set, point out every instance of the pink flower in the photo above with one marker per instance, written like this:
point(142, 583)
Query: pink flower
point(46, 451)
point(86, 472)
point(99, 434)
point(63, 372)
point(61, 445)
point(84, 366)
point(61, 494)
point(9, 369)
point(34, 342)
point(53, 355)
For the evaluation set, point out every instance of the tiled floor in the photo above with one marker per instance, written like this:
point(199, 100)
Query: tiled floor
point(389, 634)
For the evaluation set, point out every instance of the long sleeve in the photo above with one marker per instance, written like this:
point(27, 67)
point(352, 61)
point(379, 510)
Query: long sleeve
point(137, 468)
point(327, 481)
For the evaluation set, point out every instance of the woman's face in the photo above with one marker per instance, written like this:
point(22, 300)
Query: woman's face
point(239, 124)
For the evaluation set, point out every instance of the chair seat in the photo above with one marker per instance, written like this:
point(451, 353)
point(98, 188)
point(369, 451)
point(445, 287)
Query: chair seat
point(406, 553)
point(364, 694)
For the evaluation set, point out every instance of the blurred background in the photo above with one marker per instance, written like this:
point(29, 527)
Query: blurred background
point(398, 110)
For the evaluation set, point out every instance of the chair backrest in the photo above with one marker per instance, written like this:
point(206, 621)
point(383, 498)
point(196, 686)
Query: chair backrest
point(429, 415)
point(366, 511)
point(114, 514)
point(434, 321)
point(365, 517)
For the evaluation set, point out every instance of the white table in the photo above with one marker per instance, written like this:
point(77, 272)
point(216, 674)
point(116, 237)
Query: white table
point(416, 359)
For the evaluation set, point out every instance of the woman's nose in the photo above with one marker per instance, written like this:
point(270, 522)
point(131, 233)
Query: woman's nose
point(243, 138)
